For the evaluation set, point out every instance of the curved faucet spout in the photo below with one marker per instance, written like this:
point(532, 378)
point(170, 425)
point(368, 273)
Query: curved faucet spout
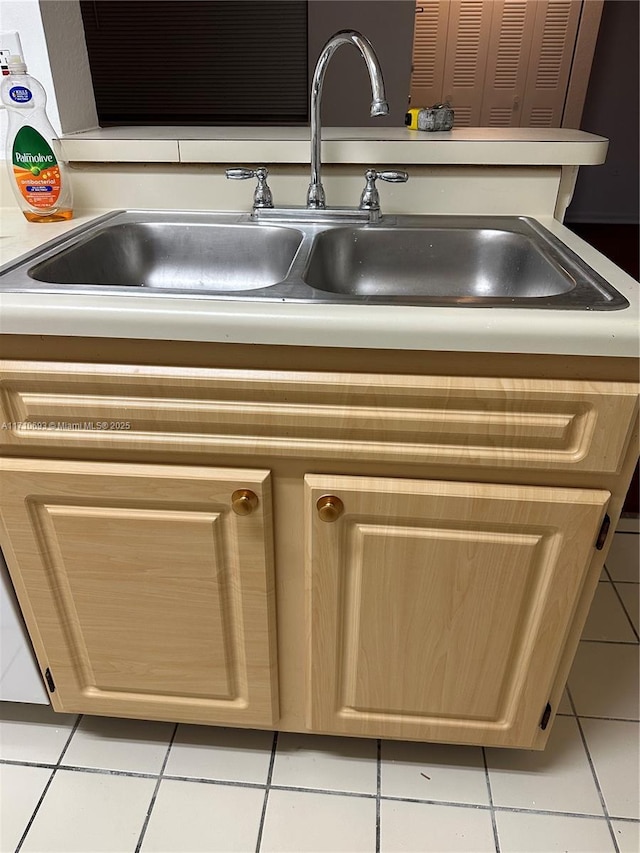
point(379, 106)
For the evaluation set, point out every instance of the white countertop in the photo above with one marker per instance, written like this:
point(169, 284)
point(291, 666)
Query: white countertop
point(508, 330)
point(514, 146)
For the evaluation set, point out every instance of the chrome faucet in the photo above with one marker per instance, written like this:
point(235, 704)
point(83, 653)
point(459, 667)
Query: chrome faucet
point(316, 208)
point(379, 106)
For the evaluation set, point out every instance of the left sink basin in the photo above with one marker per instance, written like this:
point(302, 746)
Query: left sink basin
point(186, 252)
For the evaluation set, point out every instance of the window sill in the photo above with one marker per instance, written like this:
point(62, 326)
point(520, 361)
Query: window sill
point(364, 145)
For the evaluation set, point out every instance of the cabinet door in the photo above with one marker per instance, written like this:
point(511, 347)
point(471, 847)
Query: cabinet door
point(144, 593)
point(552, 50)
point(507, 62)
point(438, 610)
point(466, 59)
point(429, 50)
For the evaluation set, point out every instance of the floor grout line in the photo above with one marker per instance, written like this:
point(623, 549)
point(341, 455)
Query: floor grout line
point(147, 818)
point(47, 786)
point(585, 815)
point(272, 761)
point(35, 812)
point(447, 803)
point(228, 783)
point(299, 789)
point(595, 777)
point(378, 791)
point(516, 810)
point(626, 612)
point(608, 719)
point(12, 762)
point(106, 771)
point(496, 808)
point(496, 837)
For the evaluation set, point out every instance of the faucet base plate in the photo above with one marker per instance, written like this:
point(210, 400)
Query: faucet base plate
point(315, 214)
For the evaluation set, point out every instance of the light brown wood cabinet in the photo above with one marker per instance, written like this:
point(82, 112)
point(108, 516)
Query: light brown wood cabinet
point(440, 597)
point(150, 595)
point(438, 609)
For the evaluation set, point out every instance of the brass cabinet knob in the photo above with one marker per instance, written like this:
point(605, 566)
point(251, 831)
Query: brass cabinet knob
point(329, 507)
point(244, 501)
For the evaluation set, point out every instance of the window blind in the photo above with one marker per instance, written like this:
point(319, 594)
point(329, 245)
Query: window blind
point(198, 61)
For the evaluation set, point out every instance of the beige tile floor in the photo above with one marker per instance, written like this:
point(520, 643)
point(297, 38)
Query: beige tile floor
point(94, 784)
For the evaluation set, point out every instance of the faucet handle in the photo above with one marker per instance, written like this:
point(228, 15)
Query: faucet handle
point(394, 177)
point(370, 199)
point(240, 174)
point(262, 196)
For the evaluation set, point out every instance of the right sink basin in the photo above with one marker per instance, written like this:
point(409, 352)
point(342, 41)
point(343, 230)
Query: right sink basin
point(456, 261)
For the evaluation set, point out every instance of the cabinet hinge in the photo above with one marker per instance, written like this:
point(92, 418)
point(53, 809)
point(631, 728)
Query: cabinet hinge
point(602, 535)
point(544, 722)
point(49, 679)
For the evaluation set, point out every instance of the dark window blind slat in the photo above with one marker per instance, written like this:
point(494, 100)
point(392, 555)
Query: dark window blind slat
point(198, 61)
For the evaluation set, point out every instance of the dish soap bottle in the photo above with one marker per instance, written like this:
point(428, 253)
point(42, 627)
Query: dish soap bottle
point(38, 175)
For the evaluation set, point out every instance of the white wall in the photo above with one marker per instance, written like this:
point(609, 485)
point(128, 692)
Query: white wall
point(24, 16)
point(69, 60)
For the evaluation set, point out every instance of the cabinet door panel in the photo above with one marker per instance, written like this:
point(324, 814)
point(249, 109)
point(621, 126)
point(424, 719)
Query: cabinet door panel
point(150, 597)
point(507, 62)
point(429, 48)
point(466, 58)
point(553, 43)
point(438, 610)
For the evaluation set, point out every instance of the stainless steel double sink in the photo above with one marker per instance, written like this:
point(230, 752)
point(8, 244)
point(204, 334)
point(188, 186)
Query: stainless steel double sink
point(403, 260)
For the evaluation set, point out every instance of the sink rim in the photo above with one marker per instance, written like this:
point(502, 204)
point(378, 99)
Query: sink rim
point(593, 292)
